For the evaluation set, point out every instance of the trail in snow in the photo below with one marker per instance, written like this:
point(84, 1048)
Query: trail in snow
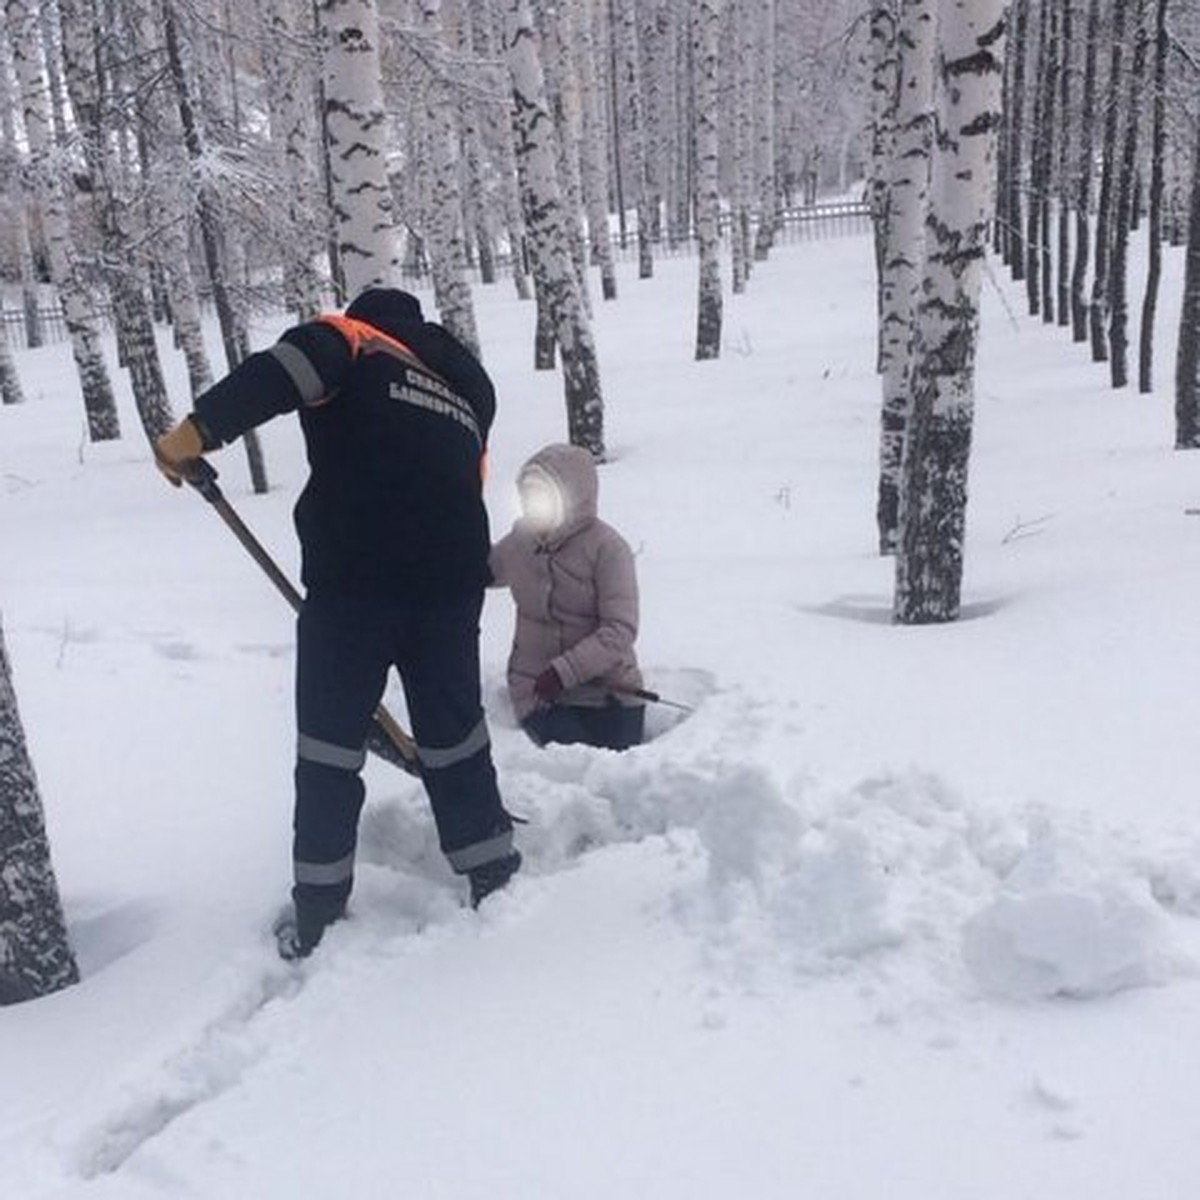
point(915, 893)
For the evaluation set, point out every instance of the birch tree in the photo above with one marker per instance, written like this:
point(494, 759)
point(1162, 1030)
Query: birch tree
point(479, 190)
point(1118, 317)
point(1098, 313)
point(884, 96)
point(742, 145)
point(1066, 194)
point(167, 210)
point(488, 42)
point(904, 250)
point(1158, 138)
point(443, 218)
point(764, 142)
point(594, 150)
point(1014, 150)
point(1187, 352)
point(232, 322)
point(546, 228)
point(633, 110)
point(35, 954)
point(94, 74)
point(706, 57)
point(969, 68)
point(288, 64)
point(18, 194)
point(76, 295)
point(1080, 306)
point(555, 30)
point(356, 128)
point(10, 381)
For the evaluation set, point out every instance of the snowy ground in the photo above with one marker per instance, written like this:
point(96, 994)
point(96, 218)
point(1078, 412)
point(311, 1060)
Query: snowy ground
point(904, 913)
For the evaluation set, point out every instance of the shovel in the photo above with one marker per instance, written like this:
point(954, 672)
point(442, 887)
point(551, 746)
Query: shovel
point(385, 737)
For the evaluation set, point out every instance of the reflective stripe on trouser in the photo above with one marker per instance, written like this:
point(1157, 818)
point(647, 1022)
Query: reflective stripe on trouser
point(440, 670)
point(344, 649)
point(340, 675)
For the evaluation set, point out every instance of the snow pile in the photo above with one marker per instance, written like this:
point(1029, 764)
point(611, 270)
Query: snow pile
point(1064, 926)
point(901, 880)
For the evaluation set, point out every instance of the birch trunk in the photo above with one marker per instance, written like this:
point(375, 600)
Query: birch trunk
point(356, 127)
point(884, 73)
point(1101, 278)
point(764, 110)
point(706, 59)
point(289, 69)
point(233, 335)
point(488, 39)
point(930, 559)
point(1187, 353)
point(548, 237)
point(10, 381)
point(555, 33)
point(89, 79)
point(1066, 193)
point(12, 170)
point(594, 152)
point(35, 954)
point(1124, 216)
point(904, 251)
point(1158, 138)
point(443, 223)
point(477, 193)
point(1080, 306)
point(1014, 150)
point(742, 164)
point(1035, 232)
point(633, 109)
point(76, 297)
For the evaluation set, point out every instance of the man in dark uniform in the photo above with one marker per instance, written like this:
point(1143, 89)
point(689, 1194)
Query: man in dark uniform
point(394, 539)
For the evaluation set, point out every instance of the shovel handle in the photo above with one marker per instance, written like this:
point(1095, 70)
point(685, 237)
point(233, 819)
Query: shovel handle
point(389, 740)
point(202, 475)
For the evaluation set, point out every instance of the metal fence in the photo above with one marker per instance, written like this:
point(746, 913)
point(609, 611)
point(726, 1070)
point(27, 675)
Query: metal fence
point(794, 224)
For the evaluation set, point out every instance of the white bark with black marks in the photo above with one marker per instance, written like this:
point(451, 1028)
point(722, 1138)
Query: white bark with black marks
point(929, 561)
point(444, 214)
point(1080, 303)
point(77, 297)
point(594, 150)
point(1187, 351)
point(1154, 216)
point(290, 66)
point(1098, 312)
point(546, 229)
point(356, 130)
point(99, 64)
point(35, 954)
point(904, 249)
point(706, 17)
point(633, 125)
point(764, 117)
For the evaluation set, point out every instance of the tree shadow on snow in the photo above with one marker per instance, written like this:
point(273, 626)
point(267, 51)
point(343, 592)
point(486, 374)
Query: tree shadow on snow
point(877, 610)
point(101, 934)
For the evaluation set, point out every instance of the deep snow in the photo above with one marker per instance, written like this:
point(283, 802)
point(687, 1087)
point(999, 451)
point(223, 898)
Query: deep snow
point(896, 912)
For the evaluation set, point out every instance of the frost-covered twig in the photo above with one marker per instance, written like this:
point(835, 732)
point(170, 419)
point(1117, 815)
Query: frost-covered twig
point(1026, 529)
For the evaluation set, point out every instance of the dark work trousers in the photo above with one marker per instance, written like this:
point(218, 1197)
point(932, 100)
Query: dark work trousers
point(344, 648)
point(613, 727)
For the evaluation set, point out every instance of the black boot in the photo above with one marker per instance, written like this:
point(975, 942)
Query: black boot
point(299, 932)
point(491, 876)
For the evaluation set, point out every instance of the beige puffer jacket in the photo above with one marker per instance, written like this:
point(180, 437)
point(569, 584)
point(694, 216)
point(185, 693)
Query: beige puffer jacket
point(576, 594)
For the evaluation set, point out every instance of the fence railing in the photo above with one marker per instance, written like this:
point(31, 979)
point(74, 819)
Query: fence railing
point(794, 224)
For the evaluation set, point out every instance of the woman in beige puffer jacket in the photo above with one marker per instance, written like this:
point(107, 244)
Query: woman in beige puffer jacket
point(572, 673)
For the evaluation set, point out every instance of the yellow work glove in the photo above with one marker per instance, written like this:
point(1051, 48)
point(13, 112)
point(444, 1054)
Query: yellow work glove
point(176, 449)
